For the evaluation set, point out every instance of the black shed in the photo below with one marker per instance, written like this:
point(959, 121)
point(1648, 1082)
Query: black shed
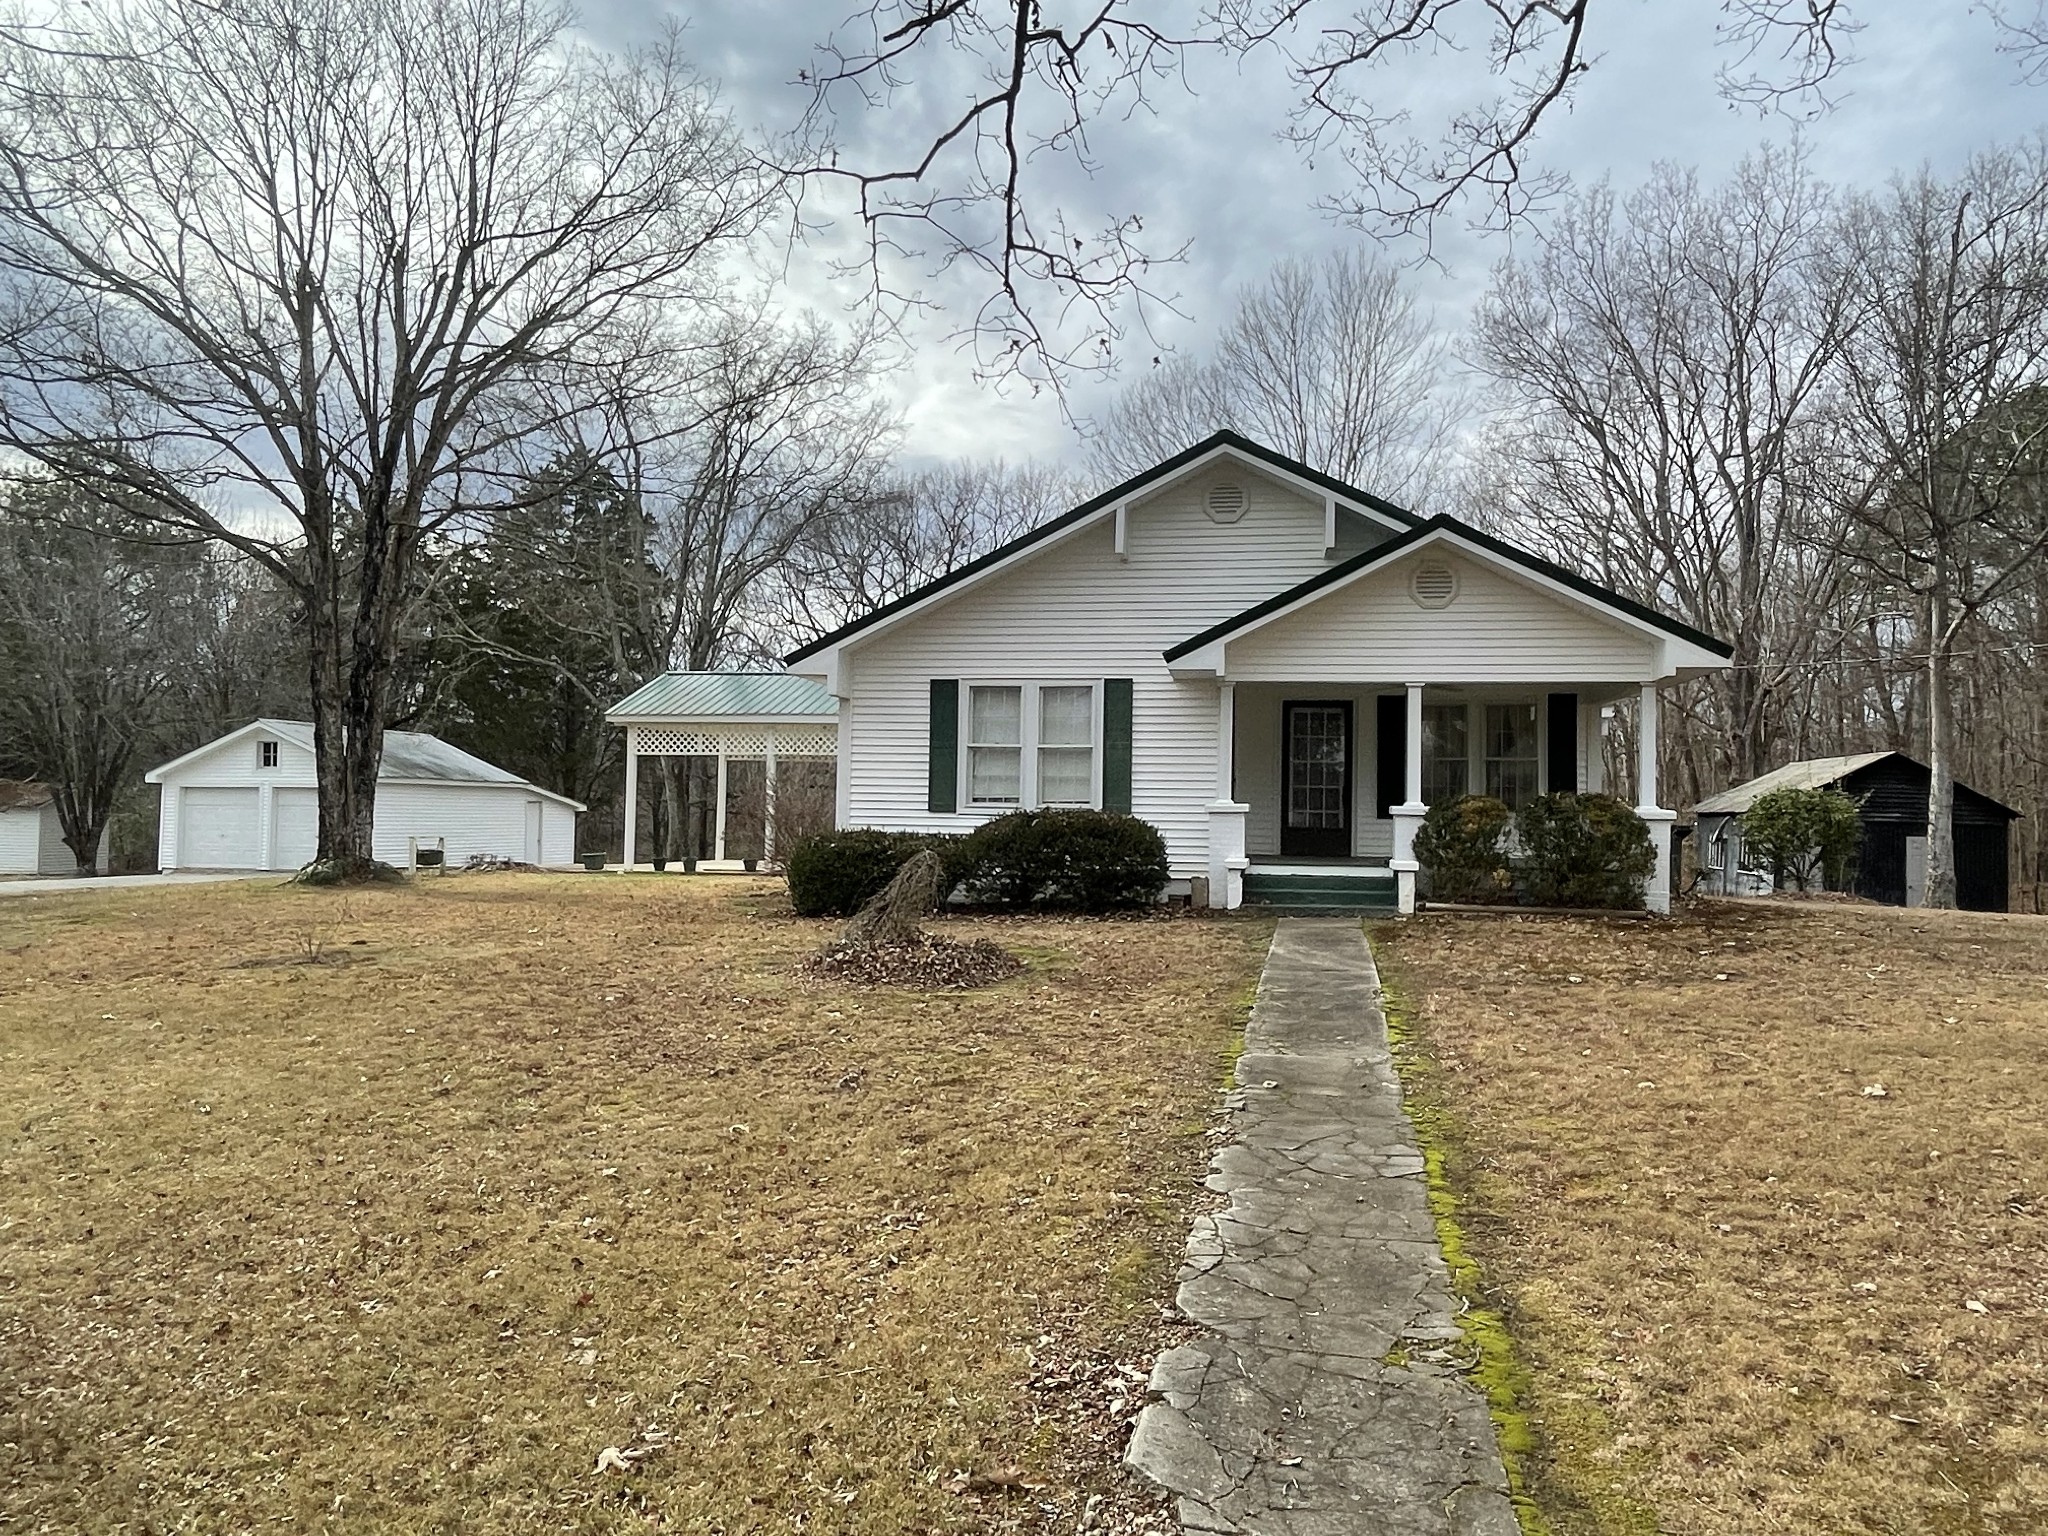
point(1891, 864)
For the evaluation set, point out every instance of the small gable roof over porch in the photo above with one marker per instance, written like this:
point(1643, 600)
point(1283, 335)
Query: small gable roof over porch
point(1446, 602)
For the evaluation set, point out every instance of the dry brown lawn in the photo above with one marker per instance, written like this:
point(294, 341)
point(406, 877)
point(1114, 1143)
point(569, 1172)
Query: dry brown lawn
point(1755, 1295)
point(392, 1210)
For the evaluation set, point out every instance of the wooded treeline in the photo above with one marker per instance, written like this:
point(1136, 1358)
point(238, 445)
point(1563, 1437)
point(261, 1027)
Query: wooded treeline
point(312, 427)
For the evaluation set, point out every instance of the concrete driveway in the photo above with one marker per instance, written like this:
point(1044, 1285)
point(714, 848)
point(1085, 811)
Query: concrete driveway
point(62, 885)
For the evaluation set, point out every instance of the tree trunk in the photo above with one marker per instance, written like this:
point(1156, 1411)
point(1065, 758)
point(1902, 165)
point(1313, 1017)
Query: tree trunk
point(348, 698)
point(1941, 790)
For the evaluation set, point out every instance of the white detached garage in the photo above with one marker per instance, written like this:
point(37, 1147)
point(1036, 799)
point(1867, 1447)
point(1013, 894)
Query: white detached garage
point(248, 801)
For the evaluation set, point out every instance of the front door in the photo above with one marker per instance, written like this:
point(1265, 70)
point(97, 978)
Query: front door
point(1316, 775)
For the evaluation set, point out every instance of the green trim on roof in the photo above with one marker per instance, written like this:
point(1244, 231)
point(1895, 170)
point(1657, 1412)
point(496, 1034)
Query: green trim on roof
point(727, 696)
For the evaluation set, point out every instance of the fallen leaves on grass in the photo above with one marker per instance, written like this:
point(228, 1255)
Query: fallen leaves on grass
point(927, 961)
point(1748, 1303)
point(421, 1239)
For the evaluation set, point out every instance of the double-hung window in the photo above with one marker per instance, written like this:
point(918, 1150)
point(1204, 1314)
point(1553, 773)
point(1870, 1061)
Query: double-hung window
point(1066, 746)
point(1031, 744)
point(995, 745)
point(1446, 753)
point(1511, 755)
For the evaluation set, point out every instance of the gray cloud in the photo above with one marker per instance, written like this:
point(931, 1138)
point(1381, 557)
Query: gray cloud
point(1206, 164)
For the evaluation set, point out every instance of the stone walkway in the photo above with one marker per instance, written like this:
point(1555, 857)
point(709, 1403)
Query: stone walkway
point(1318, 1400)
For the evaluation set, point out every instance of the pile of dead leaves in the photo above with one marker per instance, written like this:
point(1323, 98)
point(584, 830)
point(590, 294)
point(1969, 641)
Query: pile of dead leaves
point(924, 961)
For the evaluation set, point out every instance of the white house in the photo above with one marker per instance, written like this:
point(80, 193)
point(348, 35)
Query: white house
point(248, 801)
point(1277, 670)
point(31, 837)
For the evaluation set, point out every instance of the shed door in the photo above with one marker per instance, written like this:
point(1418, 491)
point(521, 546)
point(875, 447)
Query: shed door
point(1983, 880)
point(295, 827)
point(217, 828)
point(532, 854)
point(1316, 815)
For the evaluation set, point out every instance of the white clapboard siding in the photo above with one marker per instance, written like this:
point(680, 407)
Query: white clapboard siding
point(468, 819)
point(1498, 629)
point(1077, 611)
point(558, 833)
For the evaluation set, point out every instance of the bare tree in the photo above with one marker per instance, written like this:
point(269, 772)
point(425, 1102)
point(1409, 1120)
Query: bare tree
point(89, 620)
point(1330, 361)
point(1947, 376)
point(297, 274)
point(1664, 366)
point(1020, 84)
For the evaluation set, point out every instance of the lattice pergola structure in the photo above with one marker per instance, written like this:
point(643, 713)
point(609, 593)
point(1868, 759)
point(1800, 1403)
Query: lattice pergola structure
point(765, 717)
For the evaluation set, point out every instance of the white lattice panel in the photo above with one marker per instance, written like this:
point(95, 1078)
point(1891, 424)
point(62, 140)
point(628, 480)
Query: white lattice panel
point(740, 741)
point(661, 741)
point(807, 743)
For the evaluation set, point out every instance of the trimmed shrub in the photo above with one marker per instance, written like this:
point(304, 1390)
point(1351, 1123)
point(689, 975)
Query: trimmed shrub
point(1804, 834)
point(834, 874)
point(1079, 861)
point(1462, 848)
point(1582, 851)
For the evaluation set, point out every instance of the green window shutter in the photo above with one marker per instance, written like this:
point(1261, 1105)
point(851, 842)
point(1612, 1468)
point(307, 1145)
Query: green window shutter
point(1116, 744)
point(943, 793)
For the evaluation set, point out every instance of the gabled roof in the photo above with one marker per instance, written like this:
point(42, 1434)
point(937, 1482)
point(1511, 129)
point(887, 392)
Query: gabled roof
point(726, 696)
point(1814, 773)
point(1820, 773)
point(1233, 441)
point(410, 757)
point(1438, 527)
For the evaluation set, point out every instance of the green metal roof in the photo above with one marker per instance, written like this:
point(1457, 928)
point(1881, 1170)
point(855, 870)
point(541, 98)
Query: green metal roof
point(727, 696)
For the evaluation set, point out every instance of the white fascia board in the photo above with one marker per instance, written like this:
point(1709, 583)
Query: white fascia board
point(156, 775)
point(1672, 656)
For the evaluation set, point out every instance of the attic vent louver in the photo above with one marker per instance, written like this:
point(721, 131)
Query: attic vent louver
point(1433, 585)
point(1225, 503)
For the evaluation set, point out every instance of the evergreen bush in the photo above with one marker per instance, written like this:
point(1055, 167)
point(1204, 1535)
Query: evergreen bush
point(1462, 848)
point(1074, 860)
point(1582, 851)
point(834, 874)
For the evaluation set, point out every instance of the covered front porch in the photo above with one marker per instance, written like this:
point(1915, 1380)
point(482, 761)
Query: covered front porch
point(1325, 784)
point(1440, 664)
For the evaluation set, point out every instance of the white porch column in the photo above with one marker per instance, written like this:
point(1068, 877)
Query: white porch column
point(632, 791)
point(718, 820)
point(1227, 859)
point(1408, 814)
point(1657, 895)
point(768, 803)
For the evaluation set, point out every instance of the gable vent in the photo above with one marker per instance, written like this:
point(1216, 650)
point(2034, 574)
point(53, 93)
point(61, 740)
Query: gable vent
point(1226, 503)
point(1433, 585)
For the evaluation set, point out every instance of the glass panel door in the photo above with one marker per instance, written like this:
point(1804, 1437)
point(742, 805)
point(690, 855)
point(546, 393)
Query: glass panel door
point(1316, 817)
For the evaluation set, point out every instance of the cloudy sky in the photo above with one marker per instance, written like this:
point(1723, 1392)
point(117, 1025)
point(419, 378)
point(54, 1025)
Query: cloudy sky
point(1206, 164)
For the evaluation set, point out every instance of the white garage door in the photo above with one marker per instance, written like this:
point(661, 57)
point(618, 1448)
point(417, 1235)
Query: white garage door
point(217, 828)
point(295, 833)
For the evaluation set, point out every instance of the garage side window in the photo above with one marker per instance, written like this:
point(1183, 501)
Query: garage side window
point(266, 754)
